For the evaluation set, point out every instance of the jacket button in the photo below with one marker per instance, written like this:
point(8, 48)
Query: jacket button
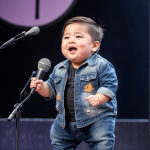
point(77, 105)
point(76, 93)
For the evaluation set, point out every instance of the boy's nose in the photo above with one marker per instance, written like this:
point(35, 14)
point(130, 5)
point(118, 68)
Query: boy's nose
point(71, 41)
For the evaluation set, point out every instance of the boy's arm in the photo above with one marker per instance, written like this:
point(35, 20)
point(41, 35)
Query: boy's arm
point(41, 87)
point(108, 85)
point(102, 98)
point(97, 99)
point(108, 82)
point(44, 91)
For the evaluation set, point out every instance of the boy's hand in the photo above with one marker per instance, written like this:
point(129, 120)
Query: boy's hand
point(36, 83)
point(93, 100)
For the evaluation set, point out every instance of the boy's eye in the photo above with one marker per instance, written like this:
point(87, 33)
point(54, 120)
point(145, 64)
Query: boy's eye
point(78, 36)
point(66, 37)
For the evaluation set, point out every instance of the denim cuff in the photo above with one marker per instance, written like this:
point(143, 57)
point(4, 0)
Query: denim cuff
point(52, 92)
point(107, 92)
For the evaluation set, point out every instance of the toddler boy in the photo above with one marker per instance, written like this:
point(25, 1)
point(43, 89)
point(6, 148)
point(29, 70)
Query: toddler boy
point(84, 86)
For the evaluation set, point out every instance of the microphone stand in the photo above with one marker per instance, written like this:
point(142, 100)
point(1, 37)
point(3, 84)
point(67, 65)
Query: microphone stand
point(16, 113)
point(33, 73)
point(13, 40)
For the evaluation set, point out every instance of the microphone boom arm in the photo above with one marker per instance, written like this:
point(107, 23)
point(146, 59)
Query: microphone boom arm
point(13, 40)
point(33, 31)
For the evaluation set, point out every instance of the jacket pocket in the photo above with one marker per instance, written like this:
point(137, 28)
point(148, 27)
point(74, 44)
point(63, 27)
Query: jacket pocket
point(89, 82)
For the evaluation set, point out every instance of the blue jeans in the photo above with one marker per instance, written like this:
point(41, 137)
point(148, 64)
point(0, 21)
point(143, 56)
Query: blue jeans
point(99, 135)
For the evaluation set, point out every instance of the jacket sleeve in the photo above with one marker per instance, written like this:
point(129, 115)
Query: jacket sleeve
point(107, 79)
point(51, 85)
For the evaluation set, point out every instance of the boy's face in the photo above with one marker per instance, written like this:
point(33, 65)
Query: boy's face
point(77, 45)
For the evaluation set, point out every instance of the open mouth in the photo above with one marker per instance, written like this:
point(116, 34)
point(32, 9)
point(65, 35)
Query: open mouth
point(72, 48)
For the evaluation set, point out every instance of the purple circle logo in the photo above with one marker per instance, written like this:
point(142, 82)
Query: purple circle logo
point(28, 13)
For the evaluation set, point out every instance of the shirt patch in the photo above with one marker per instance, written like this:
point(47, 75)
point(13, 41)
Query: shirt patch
point(88, 88)
point(58, 97)
point(88, 110)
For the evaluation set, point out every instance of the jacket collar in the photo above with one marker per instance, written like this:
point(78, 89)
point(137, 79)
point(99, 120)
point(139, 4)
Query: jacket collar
point(90, 61)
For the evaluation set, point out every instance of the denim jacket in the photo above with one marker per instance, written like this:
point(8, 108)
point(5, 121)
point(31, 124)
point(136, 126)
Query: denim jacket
point(95, 75)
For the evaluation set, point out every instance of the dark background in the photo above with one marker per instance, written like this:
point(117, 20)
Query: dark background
point(125, 45)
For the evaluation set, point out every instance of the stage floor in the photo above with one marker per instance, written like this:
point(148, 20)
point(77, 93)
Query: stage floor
point(131, 134)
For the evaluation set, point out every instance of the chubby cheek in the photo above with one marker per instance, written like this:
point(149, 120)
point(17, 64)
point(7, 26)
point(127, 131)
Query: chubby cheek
point(63, 50)
point(62, 45)
point(83, 50)
point(83, 47)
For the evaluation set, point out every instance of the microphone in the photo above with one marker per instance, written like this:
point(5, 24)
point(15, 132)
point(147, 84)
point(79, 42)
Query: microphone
point(33, 31)
point(43, 66)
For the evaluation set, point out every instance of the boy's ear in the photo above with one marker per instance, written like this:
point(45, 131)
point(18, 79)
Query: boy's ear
point(95, 46)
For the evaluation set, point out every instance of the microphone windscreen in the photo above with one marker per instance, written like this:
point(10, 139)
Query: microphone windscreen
point(36, 30)
point(44, 64)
